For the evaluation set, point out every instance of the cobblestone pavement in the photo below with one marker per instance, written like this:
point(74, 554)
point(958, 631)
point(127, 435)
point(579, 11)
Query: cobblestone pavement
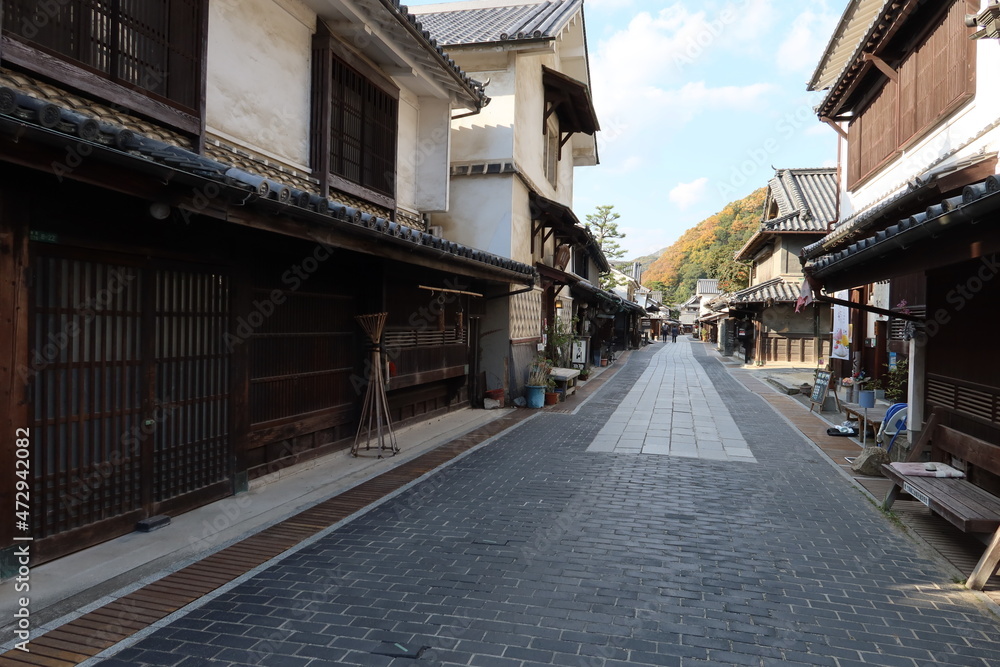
point(533, 551)
point(674, 410)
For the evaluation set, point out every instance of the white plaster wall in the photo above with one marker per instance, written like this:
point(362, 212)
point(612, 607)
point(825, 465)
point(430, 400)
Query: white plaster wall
point(406, 147)
point(422, 152)
point(258, 89)
point(529, 142)
point(432, 154)
point(488, 135)
point(953, 135)
point(479, 214)
point(520, 242)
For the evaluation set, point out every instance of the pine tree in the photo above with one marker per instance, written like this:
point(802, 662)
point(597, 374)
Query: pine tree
point(604, 227)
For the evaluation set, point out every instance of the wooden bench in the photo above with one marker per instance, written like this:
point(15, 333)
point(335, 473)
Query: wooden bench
point(967, 506)
point(565, 379)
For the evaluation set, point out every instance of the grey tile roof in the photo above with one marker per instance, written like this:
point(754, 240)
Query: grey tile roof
point(806, 199)
point(776, 290)
point(487, 21)
point(976, 200)
point(58, 126)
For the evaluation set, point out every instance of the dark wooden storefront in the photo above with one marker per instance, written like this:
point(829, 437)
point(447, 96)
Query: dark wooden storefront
point(169, 363)
point(130, 400)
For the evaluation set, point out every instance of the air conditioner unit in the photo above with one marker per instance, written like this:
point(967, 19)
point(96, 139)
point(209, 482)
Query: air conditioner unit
point(435, 230)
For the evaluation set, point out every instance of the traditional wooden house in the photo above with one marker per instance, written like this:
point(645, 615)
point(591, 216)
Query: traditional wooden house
point(512, 165)
point(197, 200)
point(910, 94)
point(799, 208)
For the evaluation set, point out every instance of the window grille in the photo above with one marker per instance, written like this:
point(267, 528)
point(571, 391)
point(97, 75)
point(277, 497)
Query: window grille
point(355, 121)
point(153, 46)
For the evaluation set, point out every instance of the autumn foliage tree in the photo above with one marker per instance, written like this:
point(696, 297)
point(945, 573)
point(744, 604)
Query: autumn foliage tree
point(707, 250)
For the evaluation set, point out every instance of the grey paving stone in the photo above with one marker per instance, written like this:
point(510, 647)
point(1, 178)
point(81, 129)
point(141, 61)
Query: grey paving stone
point(611, 559)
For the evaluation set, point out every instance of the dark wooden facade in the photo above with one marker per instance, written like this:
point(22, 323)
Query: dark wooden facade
point(934, 72)
point(160, 373)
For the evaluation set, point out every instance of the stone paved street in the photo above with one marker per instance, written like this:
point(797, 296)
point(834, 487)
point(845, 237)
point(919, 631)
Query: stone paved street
point(537, 549)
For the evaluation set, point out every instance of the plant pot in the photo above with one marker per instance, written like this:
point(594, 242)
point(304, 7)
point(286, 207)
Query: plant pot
point(551, 397)
point(495, 394)
point(604, 362)
point(534, 395)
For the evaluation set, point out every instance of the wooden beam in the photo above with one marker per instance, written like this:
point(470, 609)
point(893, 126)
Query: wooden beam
point(836, 126)
point(77, 78)
point(882, 65)
point(869, 309)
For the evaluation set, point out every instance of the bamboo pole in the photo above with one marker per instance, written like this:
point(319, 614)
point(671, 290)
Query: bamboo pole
point(375, 407)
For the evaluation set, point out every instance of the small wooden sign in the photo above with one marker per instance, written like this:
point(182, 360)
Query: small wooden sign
point(820, 387)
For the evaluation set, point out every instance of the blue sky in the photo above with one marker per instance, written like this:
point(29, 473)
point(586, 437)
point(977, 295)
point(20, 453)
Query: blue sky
point(698, 100)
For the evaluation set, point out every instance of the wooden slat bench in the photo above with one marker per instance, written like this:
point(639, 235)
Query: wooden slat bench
point(959, 501)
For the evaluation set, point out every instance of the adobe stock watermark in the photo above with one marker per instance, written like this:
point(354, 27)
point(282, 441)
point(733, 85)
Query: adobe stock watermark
point(709, 34)
point(262, 309)
point(423, 319)
point(759, 159)
point(959, 296)
point(56, 342)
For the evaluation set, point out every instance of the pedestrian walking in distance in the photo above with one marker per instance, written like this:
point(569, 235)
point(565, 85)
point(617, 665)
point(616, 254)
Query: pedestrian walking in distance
point(673, 334)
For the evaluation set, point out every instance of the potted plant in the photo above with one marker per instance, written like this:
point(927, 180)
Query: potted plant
point(876, 385)
point(538, 381)
point(584, 374)
point(551, 395)
point(896, 382)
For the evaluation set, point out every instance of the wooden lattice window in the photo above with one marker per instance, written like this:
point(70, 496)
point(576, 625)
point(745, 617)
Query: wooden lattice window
point(354, 124)
point(151, 46)
point(937, 76)
point(551, 150)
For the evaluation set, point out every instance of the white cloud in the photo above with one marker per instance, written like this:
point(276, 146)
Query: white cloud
point(608, 4)
point(688, 194)
point(801, 48)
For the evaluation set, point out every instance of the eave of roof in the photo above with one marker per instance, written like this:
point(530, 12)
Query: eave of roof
point(31, 119)
point(855, 22)
point(562, 218)
point(909, 194)
point(405, 31)
point(976, 201)
point(481, 22)
point(579, 114)
point(775, 290)
point(884, 25)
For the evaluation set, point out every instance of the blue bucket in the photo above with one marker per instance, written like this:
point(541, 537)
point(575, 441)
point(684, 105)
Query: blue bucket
point(535, 396)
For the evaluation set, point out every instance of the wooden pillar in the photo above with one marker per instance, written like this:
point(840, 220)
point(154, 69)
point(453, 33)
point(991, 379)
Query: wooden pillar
point(916, 387)
point(15, 363)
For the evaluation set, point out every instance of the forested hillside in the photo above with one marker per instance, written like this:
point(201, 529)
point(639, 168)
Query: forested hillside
point(706, 251)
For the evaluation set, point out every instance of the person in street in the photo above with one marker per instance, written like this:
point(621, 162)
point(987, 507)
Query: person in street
point(673, 334)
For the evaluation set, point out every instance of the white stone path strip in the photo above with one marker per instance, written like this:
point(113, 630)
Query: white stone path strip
point(674, 410)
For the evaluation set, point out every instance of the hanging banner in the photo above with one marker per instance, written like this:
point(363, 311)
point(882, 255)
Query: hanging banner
point(841, 328)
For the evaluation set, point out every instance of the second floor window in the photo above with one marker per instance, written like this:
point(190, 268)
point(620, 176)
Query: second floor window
point(937, 75)
point(551, 149)
point(355, 121)
point(152, 46)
